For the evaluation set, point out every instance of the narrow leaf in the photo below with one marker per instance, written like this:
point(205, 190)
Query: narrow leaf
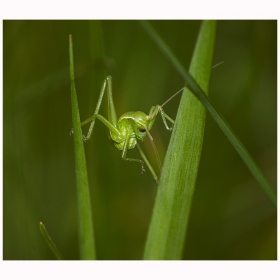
point(172, 207)
point(49, 241)
point(86, 237)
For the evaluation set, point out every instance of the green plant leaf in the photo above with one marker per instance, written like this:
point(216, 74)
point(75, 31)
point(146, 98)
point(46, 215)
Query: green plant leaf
point(86, 237)
point(49, 241)
point(172, 207)
point(198, 91)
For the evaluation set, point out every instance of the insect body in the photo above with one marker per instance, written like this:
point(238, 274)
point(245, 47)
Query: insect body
point(130, 127)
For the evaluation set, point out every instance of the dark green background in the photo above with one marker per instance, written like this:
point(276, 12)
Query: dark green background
point(231, 217)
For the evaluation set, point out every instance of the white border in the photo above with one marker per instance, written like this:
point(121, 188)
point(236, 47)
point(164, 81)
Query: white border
point(144, 9)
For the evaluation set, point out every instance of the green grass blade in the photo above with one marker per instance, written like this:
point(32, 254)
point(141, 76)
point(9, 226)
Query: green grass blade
point(86, 237)
point(49, 241)
point(172, 207)
point(196, 89)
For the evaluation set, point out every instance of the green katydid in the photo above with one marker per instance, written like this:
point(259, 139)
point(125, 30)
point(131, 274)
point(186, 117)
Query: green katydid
point(130, 127)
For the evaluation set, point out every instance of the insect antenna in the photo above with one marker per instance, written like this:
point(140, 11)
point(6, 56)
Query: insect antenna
point(218, 64)
point(183, 87)
point(172, 97)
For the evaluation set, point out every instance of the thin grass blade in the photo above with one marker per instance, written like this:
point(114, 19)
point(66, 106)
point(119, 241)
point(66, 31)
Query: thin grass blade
point(86, 236)
point(49, 241)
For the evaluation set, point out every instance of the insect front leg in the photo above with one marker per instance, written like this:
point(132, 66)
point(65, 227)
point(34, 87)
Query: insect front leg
point(124, 152)
point(159, 108)
point(153, 114)
point(148, 164)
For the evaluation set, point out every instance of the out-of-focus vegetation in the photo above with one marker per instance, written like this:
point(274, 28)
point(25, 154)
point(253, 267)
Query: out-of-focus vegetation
point(231, 217)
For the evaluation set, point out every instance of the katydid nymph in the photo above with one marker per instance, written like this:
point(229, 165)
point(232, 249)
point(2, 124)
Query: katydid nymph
point(130, 127)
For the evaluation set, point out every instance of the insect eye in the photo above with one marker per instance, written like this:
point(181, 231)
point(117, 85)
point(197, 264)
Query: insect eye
point(141, 129)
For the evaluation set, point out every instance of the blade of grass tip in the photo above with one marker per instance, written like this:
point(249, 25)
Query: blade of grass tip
point(173, 201)
point(196, 89)
point(86, 237)
point(49, 241)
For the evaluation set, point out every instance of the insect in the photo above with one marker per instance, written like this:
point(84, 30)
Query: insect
point(130, 127)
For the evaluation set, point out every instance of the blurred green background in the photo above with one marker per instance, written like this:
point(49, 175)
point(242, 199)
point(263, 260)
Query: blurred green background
point(231, 216)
